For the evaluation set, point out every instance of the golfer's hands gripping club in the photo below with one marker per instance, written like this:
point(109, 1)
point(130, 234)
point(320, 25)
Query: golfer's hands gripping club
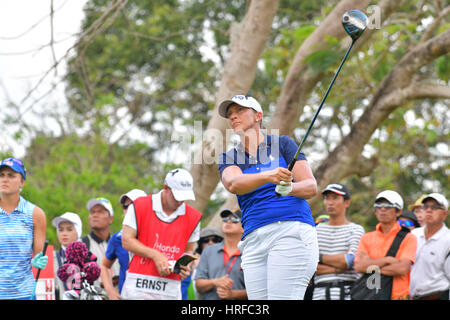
point(282, 177)
point(283, 189)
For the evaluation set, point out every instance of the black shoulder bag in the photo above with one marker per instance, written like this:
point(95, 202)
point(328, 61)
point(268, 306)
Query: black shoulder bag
point(361, 290)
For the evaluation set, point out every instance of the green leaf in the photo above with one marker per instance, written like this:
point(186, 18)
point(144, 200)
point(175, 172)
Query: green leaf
point(443, 67)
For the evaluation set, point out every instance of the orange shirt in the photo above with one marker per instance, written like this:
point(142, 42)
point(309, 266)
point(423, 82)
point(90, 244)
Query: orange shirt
point(376, 244)
point(227, 256)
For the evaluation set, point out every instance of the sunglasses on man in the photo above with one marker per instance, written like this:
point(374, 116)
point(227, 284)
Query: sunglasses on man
point(432, 207)
point(233, 219)
point(384, 205)
point(215, 239)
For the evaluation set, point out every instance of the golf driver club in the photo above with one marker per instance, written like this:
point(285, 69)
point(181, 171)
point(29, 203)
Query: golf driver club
point(39, 271)
point(354, 23)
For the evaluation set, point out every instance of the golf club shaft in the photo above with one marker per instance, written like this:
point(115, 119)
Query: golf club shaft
point(39, 271)
point(292, 163)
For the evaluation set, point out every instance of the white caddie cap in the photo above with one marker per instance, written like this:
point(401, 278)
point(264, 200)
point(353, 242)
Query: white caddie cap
point(245, 101)
point(101, 201)
point(133, 195)
point(439, 199)
point(70, 217)
point(181, 183)
point(391, 196)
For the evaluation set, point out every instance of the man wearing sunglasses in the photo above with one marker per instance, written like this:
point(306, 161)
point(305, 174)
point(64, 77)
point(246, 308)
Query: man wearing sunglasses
point(374, 245)
point(430, 275)
point(219, 274)
point(208, 236)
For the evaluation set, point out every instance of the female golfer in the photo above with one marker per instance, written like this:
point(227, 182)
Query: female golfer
point(22, 234)
point(279, 245)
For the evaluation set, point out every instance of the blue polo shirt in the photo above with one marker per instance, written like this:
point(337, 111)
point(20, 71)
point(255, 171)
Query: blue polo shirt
point(261, 206)
point(114, 251)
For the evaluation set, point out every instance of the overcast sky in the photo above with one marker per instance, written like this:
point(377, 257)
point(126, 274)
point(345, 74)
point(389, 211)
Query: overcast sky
point(25, 56)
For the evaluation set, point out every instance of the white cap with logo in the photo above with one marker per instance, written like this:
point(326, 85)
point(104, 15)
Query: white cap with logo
point(439, 199)
point(245, 101)
point(391, 196)
point(181, 183)
point(103, 202)
point(70, 217)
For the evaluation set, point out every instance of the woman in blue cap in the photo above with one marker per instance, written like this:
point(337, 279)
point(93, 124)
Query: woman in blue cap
point(22, 234)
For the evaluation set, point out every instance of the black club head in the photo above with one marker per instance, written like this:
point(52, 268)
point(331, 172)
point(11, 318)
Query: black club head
point(354, 22)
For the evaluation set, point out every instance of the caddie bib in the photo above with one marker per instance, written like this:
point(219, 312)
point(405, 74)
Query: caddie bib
point(143, 279)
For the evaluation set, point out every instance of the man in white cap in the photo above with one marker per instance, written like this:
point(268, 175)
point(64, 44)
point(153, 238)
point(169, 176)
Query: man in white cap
point(373, 246)
point(158, 229)
point(101, 216)
point(68, 229)
point(115, 251)
point(430, 275)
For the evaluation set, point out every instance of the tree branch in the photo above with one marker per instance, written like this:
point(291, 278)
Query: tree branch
point(52, 12)
point(435, 24)
point(394, 91)
point(428, 91)
point(86, 36)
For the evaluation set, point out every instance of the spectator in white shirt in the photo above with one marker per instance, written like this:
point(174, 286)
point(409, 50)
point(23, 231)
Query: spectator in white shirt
point(430, 274)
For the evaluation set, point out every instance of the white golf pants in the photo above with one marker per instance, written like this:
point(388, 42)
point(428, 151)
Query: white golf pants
point(279, 260)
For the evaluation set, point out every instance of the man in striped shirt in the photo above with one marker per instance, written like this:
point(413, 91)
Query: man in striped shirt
point(338, 241)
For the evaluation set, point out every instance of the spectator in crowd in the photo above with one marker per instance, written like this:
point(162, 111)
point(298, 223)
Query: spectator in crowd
point(219, 274)
point(408, 220)
point(279, 245)
point(430, 274)
point(374, 245)
point(208, 236)
point(416, 208)
point(22, 234)
point(68, 229)
point(116, 251)
point(168, 227)
point(338, 241)
point(101, 216)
